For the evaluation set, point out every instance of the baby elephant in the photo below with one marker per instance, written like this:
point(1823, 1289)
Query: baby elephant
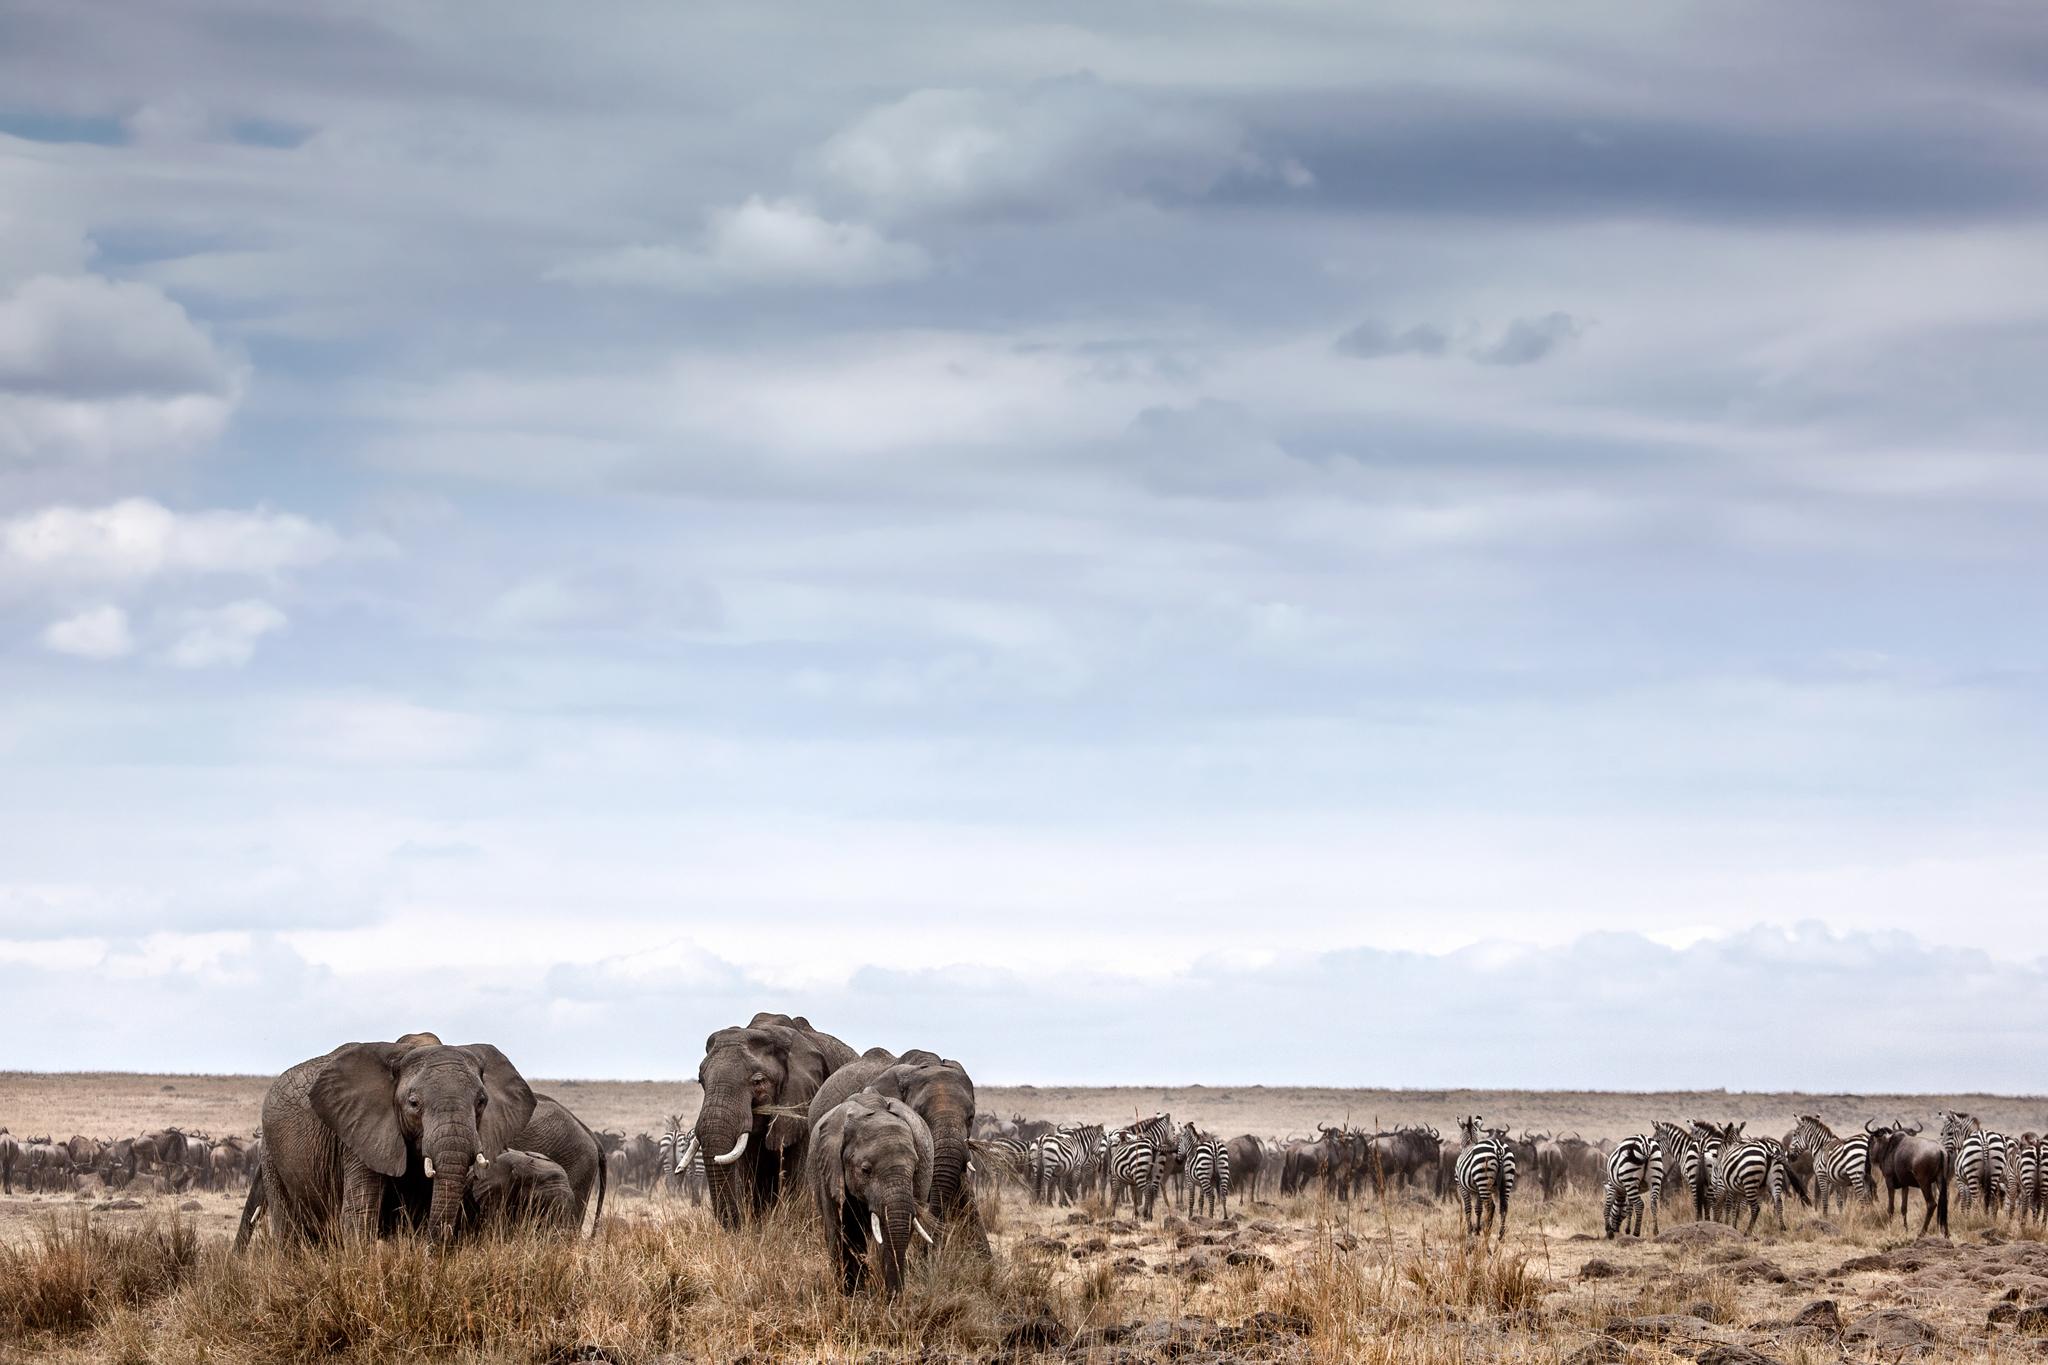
point(870, 1166)
point(520, 1190)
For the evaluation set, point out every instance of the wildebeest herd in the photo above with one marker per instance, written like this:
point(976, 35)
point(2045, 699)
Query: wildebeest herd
point(379, 1138)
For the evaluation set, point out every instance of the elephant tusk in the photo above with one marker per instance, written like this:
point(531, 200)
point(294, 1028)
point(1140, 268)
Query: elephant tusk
point(922, 1233)
point(683, 1161)
point(875, 1226)
point(734, 1154)
point(430, 1168)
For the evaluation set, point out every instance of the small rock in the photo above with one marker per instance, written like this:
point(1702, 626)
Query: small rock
point(1656, 1327)
point(1728, 1353)
point(1890, 1330)
point(1264, 1227)
point(117, 1204)
point(190, 1206)
point(1599, 1351)
point(1704, 1310)
point(1077, 1216)
point(2002, 1312)
point(1822, 1314)
point(1093, 1246)
point(1268, 1323)
point(1345, 1241)
point(1251, 1258)
point(1698, 1234)
point(1597, 1269)
point(2033, 1319)
point(1039, 1331)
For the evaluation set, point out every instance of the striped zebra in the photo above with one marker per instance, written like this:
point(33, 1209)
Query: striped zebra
point(1839, 1164)
point(1685, 1161)
point(1484, 1176)
point(1135, 1162)
point(680, 1161)
point(1977, 1159)
point(2028, 1156)
point(1208, 1171)
point(1005, 1158)
point(1051, 1161)
point(1747, 1171)
point(1087, 1141)
point(1635, 1177)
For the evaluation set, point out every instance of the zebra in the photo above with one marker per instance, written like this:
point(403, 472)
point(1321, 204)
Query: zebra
point(1839, 1164)
point(1135, 1164)
point(1087, 1142)
point(1208, 1171)
point(680, 1161)
point(1685, 1161)
point(1977, 1159)
point(1051, 1161)
point(1749, 1170)
point(2028, 1176)
point(1485, 1177)
point(1005, 1156)
point(1635, 1177)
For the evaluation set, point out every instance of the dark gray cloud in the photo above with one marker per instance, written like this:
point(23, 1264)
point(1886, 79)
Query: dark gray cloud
point(1371, 339)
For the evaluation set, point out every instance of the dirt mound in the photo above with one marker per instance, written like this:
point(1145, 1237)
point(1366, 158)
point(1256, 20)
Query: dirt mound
point(1697, 1234)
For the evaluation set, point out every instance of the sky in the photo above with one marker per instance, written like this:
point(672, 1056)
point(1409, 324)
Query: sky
point(1468, 544)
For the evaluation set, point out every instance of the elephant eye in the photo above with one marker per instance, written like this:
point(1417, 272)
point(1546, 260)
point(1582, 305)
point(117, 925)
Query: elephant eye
point(412, 1101)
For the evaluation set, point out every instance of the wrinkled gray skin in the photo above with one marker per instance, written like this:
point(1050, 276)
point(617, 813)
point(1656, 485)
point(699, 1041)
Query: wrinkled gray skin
point(10, 1156)
point(942, 1093)
point(775, 1060)
point(557, 1134)
point(870, 1166)
point(518, 1191)
point(347, 1137)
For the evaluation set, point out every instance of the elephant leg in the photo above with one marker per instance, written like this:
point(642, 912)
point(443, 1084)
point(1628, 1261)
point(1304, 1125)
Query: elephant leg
point(362, 1200)
point(851, 1244)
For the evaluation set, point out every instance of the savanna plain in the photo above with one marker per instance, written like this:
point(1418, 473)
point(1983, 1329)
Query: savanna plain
point(145, 1273)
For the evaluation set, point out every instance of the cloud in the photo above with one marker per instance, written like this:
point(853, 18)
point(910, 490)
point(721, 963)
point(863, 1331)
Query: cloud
point(137, 539)
point(1528, 340)
point(1052, 146)
point(1570, 1016)
point(96, 369)
point(1371, 339)
point(1524, 341)
point(222, 637)
point(760, 243)
point(95, 633)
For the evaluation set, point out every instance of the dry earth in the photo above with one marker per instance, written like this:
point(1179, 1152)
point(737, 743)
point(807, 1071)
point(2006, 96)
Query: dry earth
point(1388, 1281)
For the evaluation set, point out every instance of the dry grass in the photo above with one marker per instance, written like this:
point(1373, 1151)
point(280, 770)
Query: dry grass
point(1397, 1285)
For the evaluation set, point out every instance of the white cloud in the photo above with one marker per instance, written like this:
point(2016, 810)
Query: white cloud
point(137, 539)
point(764, 243)
point(224, 636)
point(96, 369)
point(95, 633)
point(1052, 145)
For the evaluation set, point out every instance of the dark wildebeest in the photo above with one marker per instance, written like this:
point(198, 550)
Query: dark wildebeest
point(1910, 1162)
point(1400, 1155)
point(1247, 1159)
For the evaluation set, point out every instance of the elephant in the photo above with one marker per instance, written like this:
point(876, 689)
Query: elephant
point(10, 1156)
point(941, 1092)
point(773, 1062)
point(519, 1190)
point(374, 1137)
point(870, 1169)
point(554, 1132)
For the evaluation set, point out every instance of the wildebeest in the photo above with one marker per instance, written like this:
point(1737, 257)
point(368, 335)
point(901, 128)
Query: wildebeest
point(1910, 1162)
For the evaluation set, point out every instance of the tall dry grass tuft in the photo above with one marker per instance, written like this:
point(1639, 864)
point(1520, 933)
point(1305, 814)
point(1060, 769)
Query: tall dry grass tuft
point(74, 1273)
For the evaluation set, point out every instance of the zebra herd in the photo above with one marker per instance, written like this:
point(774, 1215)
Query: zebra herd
point(1726, 1172)
point(1059, 1163)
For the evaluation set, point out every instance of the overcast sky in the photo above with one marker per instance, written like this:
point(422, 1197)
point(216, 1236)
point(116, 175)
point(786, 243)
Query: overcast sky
point(1462, 544)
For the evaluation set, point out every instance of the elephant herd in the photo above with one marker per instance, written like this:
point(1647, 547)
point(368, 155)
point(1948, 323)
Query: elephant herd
point(372, 1139)
point(170, 1159)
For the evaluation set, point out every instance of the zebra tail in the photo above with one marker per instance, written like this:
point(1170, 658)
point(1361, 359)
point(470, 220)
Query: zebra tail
point(1798, 1185)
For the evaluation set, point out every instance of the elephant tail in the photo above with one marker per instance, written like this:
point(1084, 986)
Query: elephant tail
point(252, 1209)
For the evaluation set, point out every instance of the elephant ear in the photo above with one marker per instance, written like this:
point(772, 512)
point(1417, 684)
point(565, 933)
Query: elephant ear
point(827, 1161)
point(508, 1103)
point(921, 1134)
point(353, 1095)
point(806, 1071)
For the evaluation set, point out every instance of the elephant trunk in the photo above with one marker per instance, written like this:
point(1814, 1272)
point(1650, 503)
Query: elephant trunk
point(896, 1227)
point(449, 1161)
point(721, 1124)
point(949, 1169)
